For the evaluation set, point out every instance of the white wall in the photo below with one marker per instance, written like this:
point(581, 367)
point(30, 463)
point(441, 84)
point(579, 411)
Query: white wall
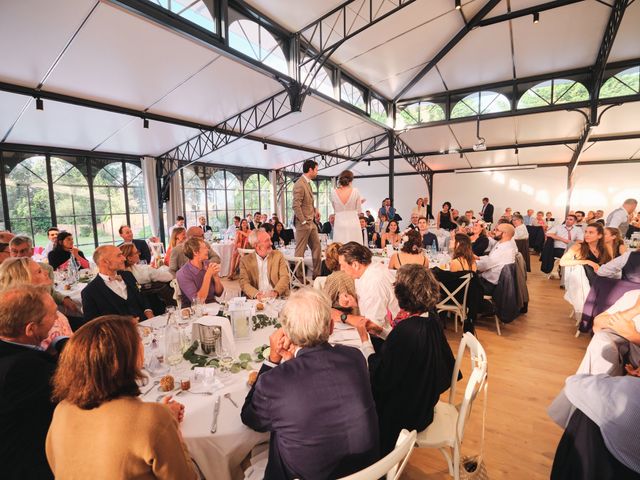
point(605, 186)
point(407, 189)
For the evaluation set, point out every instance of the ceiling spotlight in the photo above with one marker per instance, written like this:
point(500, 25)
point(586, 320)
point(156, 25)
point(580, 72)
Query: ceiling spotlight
point(458, 6)
point(322, 157)
point(516, 152)
point(461, 155)
point(536, 17)
point(264, 145)
point(368, 163)
point(39, 104)
point(145, 123)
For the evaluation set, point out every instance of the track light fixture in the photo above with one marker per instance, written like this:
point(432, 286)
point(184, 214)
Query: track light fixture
point(264, 145)
point(516, 152)
point(461, 155)
point(145, 123)
point(322, 157)
point(458, 6)
point(368, 163)
point(536, 17)
point(39, 104)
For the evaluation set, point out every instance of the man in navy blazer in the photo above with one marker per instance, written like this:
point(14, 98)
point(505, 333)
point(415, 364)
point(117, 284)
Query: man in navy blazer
point(315, 399)
point(127, 236)
point(486, 212)
point(114, 291)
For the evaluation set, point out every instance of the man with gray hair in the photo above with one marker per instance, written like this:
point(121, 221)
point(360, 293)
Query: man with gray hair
point(318, 403)
point(263, 274)
point(621, 217)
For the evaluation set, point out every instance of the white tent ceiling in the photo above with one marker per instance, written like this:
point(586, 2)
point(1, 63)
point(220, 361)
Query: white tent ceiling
point(97, 51)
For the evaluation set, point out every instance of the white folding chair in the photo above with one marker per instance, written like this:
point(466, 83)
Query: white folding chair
point(177, 296)
point(446, 432)
point(296, 266)
point(451, 303)
point(490, 298)
point(392, 464)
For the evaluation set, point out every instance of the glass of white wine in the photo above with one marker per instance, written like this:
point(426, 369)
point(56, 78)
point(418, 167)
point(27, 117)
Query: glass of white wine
point(226, 362)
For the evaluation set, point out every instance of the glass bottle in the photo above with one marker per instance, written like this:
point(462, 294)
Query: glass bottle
point(172, 341)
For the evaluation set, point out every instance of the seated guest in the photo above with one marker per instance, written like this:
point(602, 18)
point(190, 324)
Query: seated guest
point(327, 228)
point(387, 209)
point(198, 278)
point(307, 441)
point(27, 315)
point(580, 218)
point(503, 253)
point(614, 242)
point(257, 220)
point(59, 257)
point(141, 245)
point(621, 217)
point(178, 236)
point(415, 363)
point(337, 283)
point(392, 235)
point(279, 237)
point(233, 228)
point(470, 217)
point(381, 226)
point(202, 224)
point(374, 291)
point(17, 272)
point(462, 224)
point(410, 253)
point(241, 241)
point(549, 220)
point(521, 230)
point(529, 218)
point(368, 233)
point(414, 221)
point(444, 219)
point(263, 274)
point(178, 257)
point(566, 234)
point(591, 217)
point(21, 247)
point(179, 223)
point(144, 274)
point(114, 291)
point(540, 221)
point(52, 235)
point(318, 222)
point(428, 239)
point(370, 218)
point(101, 428)
point(600, 439)
point(5, 252)
point(479, 239)
point(591, 253)
point(599, 217)
point(462, 259)
point(507, 213)
point(626, 266)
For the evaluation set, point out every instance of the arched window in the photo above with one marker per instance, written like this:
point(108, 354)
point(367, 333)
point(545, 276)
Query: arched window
point(480, 103)
point(194, 11)
point(420, 112)
point(217, 202)
point(256, 42)
point(553, 92)
point(234, 197)
point(378, 111)
point(621, 84)
point(108, 191)
point(72, 202)
point(351, 94)
point(322, 81)
point(257, 194)
point(194, 193)
point(28, 198)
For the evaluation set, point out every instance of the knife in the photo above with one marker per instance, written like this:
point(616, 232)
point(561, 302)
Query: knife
point(216, 411)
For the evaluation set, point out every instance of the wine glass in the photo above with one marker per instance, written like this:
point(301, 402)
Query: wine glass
point(226, 361)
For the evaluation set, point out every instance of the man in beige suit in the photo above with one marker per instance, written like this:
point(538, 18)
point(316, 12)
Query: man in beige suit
point(263, 274)
point(304, 212)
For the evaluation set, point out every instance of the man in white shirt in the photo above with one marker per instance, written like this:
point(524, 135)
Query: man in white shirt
point(565, 235)
point(233, 228)
point(580, 219)
point(264, 274)
point(52, 234)
point(374, 289)
point(620, 217)
point(503, 253)
point(179, 223)
point(521, 232)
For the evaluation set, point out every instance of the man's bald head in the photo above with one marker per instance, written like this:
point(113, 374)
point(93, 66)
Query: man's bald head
point(195, 232)
point(508, 231)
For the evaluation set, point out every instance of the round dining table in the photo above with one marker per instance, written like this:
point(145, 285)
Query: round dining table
point(225, 252)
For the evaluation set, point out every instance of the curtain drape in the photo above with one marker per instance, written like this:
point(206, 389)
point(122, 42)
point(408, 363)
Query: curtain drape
point(151, 193)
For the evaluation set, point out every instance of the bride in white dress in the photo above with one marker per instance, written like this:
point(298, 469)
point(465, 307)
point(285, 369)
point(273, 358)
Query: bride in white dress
point(346, 203)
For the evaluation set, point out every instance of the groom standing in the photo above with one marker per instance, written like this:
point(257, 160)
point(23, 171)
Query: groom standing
point(304, 212)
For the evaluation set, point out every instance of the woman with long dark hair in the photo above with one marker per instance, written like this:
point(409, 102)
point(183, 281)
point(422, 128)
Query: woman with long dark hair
point(347, 204)
point(392, 235)
point(591, 253)
point(241, 241)
point(614, 242)
point(279, 235)
point(410, 253)
point(463, 259)
point(61, 254)
point(479, 239)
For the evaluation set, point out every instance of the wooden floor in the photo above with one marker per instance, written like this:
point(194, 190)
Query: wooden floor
point(527, 368)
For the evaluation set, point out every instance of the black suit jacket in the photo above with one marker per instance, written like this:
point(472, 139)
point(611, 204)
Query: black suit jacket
point(327, 228)
point(487, 215)
point(25, 411)
point(98, 299)
point(428, 239)
point(143, 248)
point(320, 412)
point(205, 228)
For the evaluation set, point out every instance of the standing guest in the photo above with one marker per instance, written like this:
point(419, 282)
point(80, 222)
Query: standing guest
point(279, 235)
point(564, 235)
point(549, 219)
point(367, 234)
point(599, 217)
point(621, 216)
point(414, 221)
point(198, 278)
point(445, 218)
point(614, 242)
point(327, 228)
point(591, 253)
point(59, 257)
point(414, 365)
point(101, 428)
point(381, 227)
point(529, 218)
point(503, 253)
point(178, 236)
point(306, 442)
point(179, 223)
point(178, 258)
point(420, 210)
point(626, 266)
point(429, 239)
point(27, 314)
point(462, 258)
point(387, 209)
point(479, 239)
point(486, 212)
point(370, 218)
point(257, 220)
point(427, 205)
point(347, 205)
point(591, 217)
point(233, 228)
point(263, 274)
point(391, 236)
point(241, 241)
point(5, 251)
point(250, 221)
point(540, 221)
point(521, 230)
point(114, 291)
point(410, 253)
point(127, 237)
point(17, 272)
point(52, 235)
point(304, 210)
point(202, 224)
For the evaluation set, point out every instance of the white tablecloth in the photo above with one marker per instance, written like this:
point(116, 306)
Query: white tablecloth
point(225, 252)
point(444, 236)
point(219, 455)
point(74, 293)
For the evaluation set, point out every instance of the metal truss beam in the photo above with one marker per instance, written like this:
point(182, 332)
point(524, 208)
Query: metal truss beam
point(473, 23)
point(526, 11)
point(416, 161)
